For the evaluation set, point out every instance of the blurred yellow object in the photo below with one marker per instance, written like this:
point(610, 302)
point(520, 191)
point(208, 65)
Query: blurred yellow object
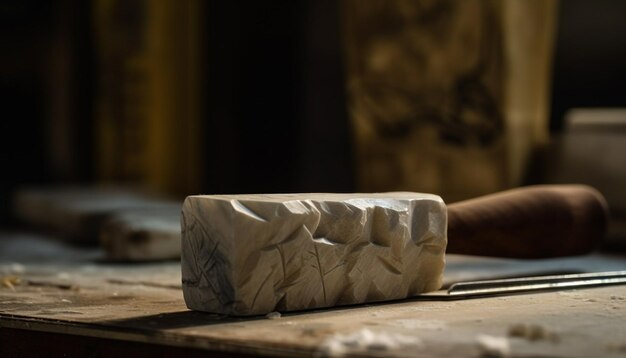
point(447, 97)
point(147, 108)
point(10, 282)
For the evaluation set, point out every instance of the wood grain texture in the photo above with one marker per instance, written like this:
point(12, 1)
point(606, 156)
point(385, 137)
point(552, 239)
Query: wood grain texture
point(144, 303)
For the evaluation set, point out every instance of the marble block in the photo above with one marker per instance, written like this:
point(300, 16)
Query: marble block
point(254, 254)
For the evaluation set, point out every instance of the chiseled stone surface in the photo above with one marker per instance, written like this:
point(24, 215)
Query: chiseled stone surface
point(254, 254)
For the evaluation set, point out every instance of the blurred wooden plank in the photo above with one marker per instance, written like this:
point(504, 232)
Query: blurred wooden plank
point(131, 225)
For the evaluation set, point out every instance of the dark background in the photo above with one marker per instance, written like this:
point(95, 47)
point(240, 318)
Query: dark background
point(589, 60)
point(273, 95)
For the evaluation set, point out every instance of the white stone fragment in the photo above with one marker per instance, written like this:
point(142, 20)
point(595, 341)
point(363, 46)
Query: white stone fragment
point(366, 340)
point(492, 346)
point(254, 254)
point(273, 315)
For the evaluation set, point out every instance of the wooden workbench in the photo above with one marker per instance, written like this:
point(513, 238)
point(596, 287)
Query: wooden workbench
point(66, 301)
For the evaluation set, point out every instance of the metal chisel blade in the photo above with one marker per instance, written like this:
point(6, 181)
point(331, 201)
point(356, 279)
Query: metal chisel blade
point(475, 289)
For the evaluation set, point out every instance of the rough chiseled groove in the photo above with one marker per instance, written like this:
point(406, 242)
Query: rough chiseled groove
point(296, 252)
point(378, 229)
point(389, 266)
point(242, 208)
point(278, 247)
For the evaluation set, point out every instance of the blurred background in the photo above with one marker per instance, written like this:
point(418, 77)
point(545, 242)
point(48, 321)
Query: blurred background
point(457, 98)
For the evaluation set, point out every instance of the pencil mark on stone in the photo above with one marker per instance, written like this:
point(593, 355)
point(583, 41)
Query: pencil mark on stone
point(334, 268)
point(320, 271)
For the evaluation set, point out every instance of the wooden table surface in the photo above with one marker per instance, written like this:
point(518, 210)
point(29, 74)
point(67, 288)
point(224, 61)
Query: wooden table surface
point(60, 291)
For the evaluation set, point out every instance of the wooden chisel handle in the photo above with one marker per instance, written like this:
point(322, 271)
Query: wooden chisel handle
point(530, 222)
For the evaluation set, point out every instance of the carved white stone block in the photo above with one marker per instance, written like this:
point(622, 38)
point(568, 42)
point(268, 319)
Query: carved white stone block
point(254, 254)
